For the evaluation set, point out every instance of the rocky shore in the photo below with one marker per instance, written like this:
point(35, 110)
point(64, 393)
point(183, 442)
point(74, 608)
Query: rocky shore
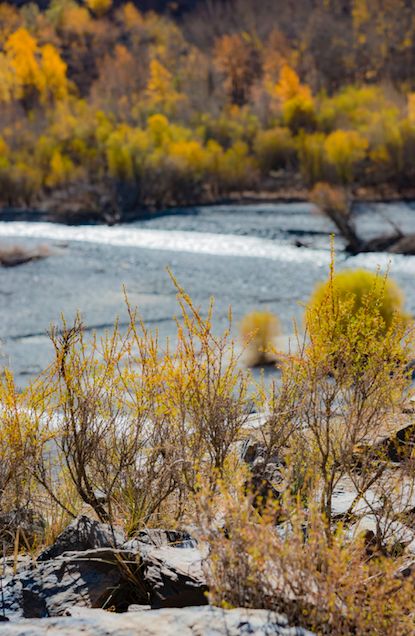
point(151, 584)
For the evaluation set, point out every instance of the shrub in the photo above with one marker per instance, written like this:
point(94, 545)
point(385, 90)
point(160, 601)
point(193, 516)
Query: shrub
point(329, 587)
point(299, 114)
point(355, 108)
point(360, 287)
point(315, 567)
point(139, 425)
point(297, 103)
point(345, 149)
point(275, 149)
point(312, 156)
point(259, 330)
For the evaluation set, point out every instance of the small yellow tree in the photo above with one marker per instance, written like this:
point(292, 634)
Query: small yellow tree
point(344, 150)
point(161, 92)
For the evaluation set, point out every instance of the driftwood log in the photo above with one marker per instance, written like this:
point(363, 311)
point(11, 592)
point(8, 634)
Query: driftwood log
point(337, 205)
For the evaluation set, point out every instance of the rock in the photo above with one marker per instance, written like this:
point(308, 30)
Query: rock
point(174, 577)
point(84, 534)
point(31, 528)
point(252, 451)
point(93, 578)
point(192, 621)
point(157, 538)
point(266, 476)
point(164, 576)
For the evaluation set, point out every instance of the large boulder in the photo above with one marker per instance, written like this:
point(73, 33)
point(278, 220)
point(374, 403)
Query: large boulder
point(93, 578)
point(161, 568)
point(191, 621)
point(174, 577)
point(84, 534)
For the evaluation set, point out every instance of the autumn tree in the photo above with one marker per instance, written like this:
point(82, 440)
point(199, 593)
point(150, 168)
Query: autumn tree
point(239, 61)
point(161, 90)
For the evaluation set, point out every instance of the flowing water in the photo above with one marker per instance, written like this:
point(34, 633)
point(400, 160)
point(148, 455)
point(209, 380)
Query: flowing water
point(245, 256)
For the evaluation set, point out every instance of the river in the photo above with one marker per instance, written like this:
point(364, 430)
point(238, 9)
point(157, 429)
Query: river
point(245, 256)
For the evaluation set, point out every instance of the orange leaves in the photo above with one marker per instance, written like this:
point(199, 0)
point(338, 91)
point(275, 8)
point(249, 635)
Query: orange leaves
point(289, 85)
point(237, 58)
point(27, 67)
point(53, 69)
point(21, 50)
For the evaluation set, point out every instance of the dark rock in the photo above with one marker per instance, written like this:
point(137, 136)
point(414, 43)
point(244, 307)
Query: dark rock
point(84, 534)
point(167, 575)
point(265, 472)
point(94, 578)
point(174, 577)
point(251, 450)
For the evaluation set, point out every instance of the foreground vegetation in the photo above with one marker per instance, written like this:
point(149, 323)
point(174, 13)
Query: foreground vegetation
point(143, 435)
point(107, 110)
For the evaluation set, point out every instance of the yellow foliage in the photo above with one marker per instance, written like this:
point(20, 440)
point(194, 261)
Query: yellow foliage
point(159, 128)
point(21, 49)
point(311, 153)
point(360, 287)
point(161, 92)
point(131, 16)
point(275, 149)
point(60, 171)
point(54, 72)
point(290, 87)
point(126, 149)
point(258, 331)
point(360, 13)
point(344, 149)
point(296, 98)
point(99, 7)
point(10, 84)
point(76, 20)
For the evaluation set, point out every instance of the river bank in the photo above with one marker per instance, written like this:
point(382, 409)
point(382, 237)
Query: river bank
point(72, 212)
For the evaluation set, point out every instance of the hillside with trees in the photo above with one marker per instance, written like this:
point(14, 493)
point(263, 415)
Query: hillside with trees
point(107, 110)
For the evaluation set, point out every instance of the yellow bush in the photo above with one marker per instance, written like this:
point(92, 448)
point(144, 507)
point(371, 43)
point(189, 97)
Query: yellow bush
point(359, 287)
point(21, 49)
point(61, 170)
point(296, 100)
point(275, 149)
point(99, 7)
point(344, 150)
point(311, 155)
point(161, 91)
point(258, 331)
point(54, 72)
point(355, 108)
point(299, 114)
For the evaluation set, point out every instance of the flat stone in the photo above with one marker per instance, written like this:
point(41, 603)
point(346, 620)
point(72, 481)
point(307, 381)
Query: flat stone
point(191, 621)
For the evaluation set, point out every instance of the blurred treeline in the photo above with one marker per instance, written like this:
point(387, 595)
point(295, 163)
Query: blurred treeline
point(106, 109)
